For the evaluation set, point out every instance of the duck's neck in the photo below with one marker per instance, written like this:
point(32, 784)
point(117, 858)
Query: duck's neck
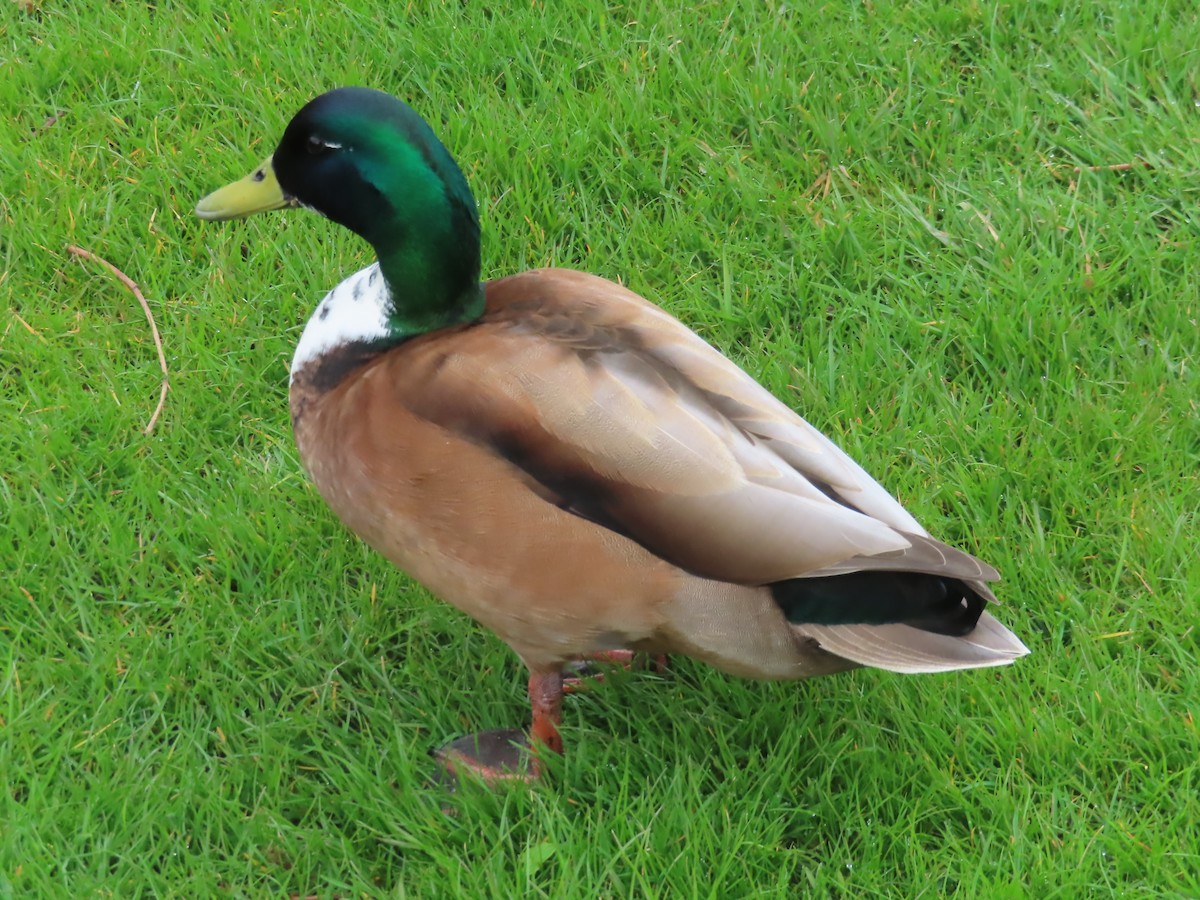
point(425, 230)
point(431, 274)
point(426, 278)
point(365, 316)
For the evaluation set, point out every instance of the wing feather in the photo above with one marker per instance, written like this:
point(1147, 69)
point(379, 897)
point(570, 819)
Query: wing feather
point(625, 416)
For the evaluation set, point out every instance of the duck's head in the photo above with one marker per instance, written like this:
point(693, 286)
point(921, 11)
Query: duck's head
point(367, 161)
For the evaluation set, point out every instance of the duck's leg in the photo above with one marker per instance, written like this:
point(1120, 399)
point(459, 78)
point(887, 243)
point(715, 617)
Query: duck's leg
point(546, 697)
point(583, 673)
point(510, 755)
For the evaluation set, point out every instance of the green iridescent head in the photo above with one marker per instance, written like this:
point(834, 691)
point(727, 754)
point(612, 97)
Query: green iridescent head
point(367, 161)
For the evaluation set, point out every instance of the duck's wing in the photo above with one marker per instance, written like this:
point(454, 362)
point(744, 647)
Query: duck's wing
point(612, 409)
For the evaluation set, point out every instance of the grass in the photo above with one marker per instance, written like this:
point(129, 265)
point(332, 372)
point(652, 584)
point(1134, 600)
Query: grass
point(905, 219)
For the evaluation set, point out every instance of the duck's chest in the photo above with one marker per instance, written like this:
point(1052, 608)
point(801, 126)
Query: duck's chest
point(449, 513)
point(349, 428)
point(370, 459)
point(425, 497)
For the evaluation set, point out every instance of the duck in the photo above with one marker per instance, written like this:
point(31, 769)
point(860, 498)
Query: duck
point(570, 465)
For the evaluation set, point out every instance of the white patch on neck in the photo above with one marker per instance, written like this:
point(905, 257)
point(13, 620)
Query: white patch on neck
point(355, 310)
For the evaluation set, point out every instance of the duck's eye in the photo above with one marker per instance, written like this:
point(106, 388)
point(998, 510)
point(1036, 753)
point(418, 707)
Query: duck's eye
point(318, 146)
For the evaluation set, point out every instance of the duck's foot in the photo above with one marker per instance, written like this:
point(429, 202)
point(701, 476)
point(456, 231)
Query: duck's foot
point(494, 757)
point(583, 673)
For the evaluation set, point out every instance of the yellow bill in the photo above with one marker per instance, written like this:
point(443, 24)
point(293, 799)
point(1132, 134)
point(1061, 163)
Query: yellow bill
point(257, 192)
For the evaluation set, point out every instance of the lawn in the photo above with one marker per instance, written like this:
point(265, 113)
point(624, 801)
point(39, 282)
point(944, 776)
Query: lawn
point(962, 239)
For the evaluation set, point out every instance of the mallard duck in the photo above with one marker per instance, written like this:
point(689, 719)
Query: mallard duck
point(572, 466)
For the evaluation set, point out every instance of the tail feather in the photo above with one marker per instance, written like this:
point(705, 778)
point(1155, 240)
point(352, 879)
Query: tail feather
point(902, 648)
point(924, 554)
point(865, 597)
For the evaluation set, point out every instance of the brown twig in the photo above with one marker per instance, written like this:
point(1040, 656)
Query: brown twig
point(132, 285)
point(1115, 167)
point(1060, 170)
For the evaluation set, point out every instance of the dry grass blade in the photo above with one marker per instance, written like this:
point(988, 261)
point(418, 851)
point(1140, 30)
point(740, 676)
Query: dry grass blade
point(137, 292)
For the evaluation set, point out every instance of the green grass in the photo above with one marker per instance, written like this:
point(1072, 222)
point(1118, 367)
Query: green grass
point(888, 212)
